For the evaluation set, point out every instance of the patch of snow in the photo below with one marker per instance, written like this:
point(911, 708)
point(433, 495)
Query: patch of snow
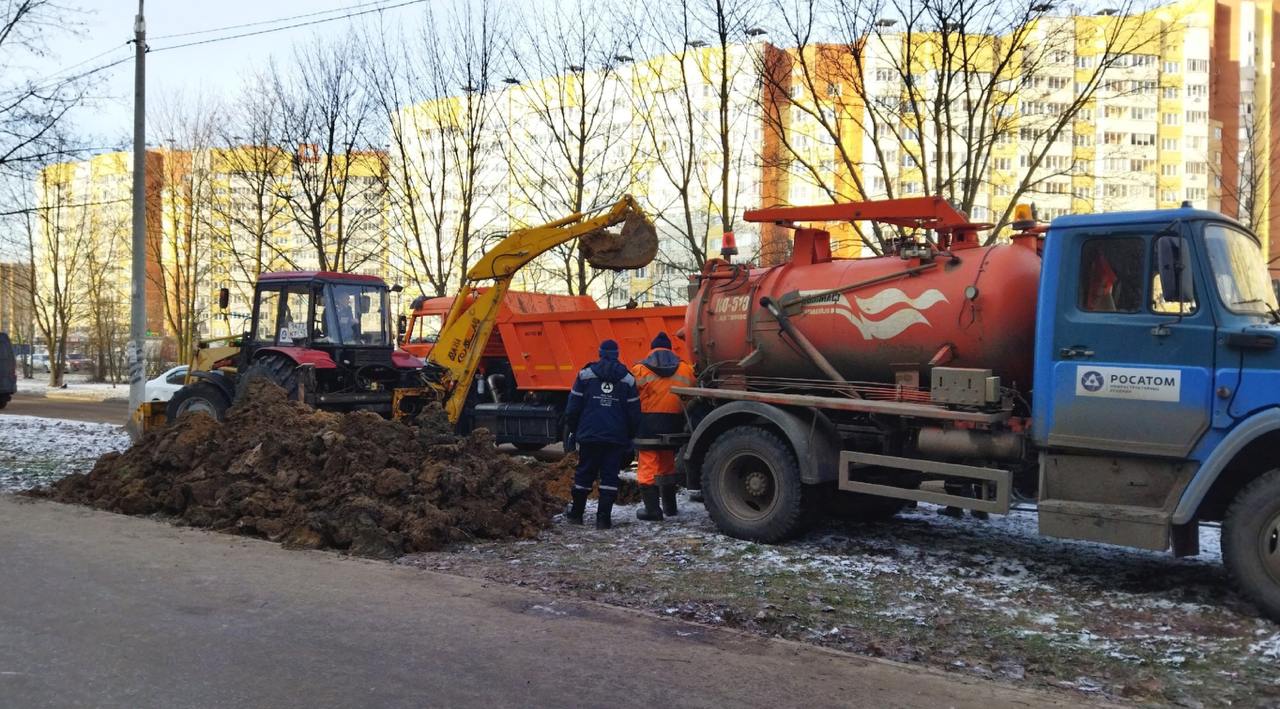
point(77, 387)
point(36, 451)
point(1268, 648)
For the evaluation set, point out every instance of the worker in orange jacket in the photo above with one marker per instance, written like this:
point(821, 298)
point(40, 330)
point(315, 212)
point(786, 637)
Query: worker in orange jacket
point(660, 412)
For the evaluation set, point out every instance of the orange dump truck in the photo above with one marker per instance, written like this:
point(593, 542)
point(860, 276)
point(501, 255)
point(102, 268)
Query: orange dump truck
point(539, 343)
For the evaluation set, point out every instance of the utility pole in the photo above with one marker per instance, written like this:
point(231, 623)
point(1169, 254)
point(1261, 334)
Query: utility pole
point(138, 306)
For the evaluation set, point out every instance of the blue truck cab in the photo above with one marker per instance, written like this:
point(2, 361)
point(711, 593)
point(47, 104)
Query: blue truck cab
point(1156, 399)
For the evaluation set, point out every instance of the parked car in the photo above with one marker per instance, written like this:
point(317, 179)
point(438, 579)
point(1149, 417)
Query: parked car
point(8, 370)
point(162, 387)
point(78, 363)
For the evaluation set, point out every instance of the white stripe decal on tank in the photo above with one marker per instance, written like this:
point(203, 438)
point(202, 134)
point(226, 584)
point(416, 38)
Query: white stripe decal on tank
point(884, 328)
point(890, 297)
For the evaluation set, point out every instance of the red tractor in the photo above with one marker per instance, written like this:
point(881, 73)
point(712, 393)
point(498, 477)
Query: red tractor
point(326, 338)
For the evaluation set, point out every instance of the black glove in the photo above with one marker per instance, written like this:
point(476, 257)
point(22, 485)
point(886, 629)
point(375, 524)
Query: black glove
point(570, 443)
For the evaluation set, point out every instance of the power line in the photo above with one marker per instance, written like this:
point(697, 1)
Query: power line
point(271, 22)
point(45, 208)
point(289, 27)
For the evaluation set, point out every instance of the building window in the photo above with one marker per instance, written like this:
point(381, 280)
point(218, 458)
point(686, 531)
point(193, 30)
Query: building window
point(1168, 143)
point(1198, 65)
point(1169, 119)
point(1170, 67)
point(1197, 90)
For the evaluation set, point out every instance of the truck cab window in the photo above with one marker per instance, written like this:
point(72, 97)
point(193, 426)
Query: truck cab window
point(1111, 275)
point(268, 310)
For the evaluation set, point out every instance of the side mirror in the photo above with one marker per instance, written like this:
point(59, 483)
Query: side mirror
point(397, 288)
point(402, 324)
point(1173, 267)
point(224, 298)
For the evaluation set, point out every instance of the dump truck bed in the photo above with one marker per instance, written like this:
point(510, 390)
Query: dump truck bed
point(548, 338)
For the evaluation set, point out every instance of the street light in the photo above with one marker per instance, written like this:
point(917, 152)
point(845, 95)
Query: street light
point(696, 43)
point(756, 32)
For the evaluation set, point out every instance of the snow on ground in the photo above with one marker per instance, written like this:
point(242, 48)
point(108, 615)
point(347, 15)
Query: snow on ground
point(36, 451)
point(991, 598)
point(77, 387)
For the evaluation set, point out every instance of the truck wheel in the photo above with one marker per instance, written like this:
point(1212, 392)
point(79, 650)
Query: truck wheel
point(276, 369)
point(751, 483)
point(1251, 542)
point(200, 397)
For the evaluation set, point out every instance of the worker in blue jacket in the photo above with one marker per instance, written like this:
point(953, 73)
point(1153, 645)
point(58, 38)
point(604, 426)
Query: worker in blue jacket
point(603, 416)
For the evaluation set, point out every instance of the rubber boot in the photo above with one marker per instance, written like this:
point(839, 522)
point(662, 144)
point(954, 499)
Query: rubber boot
point(651, 512)
point(573, 513)
point(604, 509)
point(668, 493)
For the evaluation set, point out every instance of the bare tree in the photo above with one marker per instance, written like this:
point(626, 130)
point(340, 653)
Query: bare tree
point(32, 108)
point(59, 240)
point(440, 85)
point(247, 218)
point(337, 179)
point(694, 100)
point(1251, 190)
point(570, 137)
point(937, 86)
point(182, 243)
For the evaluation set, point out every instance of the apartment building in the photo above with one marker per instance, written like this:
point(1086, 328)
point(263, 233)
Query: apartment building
point(1178, 106)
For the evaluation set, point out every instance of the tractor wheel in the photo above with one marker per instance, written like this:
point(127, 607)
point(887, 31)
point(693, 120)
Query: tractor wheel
point(201, 397)
point(1251, 542)
point(752, 488)
point(276, 369)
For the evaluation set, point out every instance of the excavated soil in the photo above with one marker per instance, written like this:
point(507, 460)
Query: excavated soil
point(558, 480)
point(634, 246)
point(357, 482)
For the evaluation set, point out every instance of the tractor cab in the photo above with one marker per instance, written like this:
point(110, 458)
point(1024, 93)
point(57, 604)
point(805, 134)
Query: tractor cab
point(337, 329)
point(310, 316)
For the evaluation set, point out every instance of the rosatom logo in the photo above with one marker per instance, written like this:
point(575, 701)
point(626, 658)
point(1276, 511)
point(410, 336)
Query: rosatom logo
point(606, 387)
point(1091, 380)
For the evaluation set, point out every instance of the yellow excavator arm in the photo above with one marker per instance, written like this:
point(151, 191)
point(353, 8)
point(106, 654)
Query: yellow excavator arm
point(471, 319)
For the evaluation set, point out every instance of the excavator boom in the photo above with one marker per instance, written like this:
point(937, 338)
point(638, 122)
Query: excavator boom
point(471, 319)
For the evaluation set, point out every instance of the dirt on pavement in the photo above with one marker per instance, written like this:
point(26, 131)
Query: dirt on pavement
point(281, 470)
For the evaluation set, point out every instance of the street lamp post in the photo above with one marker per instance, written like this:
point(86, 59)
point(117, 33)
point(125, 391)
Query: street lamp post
point(138, 305)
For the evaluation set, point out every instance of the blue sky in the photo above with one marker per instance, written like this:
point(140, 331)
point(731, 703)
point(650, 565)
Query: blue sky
point(216, 69)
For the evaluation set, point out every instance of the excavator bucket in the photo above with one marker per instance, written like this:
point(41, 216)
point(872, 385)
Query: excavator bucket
point(635, 246)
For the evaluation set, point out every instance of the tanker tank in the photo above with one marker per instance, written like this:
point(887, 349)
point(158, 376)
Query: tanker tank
point(872, 318)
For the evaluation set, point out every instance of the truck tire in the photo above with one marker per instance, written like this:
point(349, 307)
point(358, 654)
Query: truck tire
point(277, 369)
point(751, 483)
point(200, 397)
point(1251, 542)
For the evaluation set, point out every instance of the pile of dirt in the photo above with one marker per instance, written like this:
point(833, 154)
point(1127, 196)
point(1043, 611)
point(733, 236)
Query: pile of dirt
point(558, 481)
point(281, 470)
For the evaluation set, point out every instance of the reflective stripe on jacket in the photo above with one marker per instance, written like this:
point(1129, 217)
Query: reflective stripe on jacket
point(656, 375)
point(603, 404)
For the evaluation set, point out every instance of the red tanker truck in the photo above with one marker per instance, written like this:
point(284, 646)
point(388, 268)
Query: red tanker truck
point(1121, 370)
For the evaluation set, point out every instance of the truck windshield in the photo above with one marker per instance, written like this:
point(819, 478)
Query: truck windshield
point(1239, 270)
point(358, 315)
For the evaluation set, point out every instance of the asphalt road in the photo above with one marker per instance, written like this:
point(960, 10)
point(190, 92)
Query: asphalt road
point(110, 411)
point(104, 610)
